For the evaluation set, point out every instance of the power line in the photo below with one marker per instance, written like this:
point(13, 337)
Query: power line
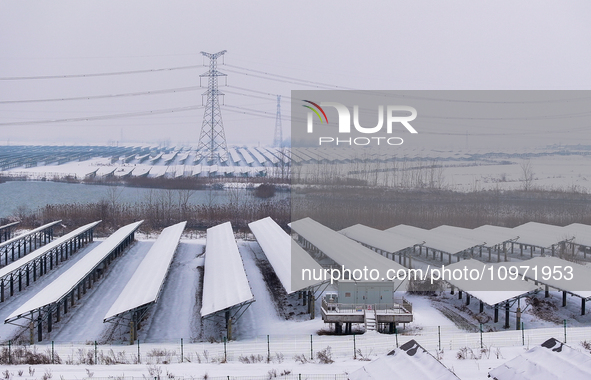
point(299, 83)
point(104, 117)
point(291, 78)
point(102, 74)
point(92, 97)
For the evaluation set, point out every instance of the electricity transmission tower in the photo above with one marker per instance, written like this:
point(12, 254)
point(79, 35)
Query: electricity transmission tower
point(278, 137)
point(212, 140)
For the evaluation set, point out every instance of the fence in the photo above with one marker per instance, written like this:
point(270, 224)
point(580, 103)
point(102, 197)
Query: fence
point(279, 348)
point(299, 376)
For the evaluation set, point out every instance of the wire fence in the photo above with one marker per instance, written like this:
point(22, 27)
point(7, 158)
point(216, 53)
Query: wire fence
point(278, 348)
point(290, 376)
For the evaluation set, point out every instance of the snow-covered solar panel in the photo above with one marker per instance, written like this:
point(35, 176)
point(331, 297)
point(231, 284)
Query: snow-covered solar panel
point(541, 235)
point(436, 240)
point(268, 155)
point(146, 283)
point(581, 232)
point(496, 233)
point(156, 158)
point(386, 241)
point(169, 157)
point(224, 279)
point(179, 171)
point(558, 275)
point(105, 170)
point(157, 171)
point(409, 361)
point(247, 157)
point(282, 252)
point(196, 170)
point(9, 225)
point(341, 249)
point(478, 236)
point(182, 157)
point(488, 288)
point(44, 249)
point(552, 360)
point(234, 156)
point(284, 154)
point(28, 233)
point(122, 171)
point(141, 170)
point(300, 152)
point(255, 153)
point(68, 280)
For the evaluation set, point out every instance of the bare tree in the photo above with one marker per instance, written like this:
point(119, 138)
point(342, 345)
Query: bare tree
point(527, 175)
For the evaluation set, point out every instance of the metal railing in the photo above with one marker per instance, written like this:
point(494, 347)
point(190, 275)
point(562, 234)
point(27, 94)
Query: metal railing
point(400, 306)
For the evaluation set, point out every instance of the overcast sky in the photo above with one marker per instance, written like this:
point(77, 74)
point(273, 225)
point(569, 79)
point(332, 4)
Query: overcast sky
point(386, 45)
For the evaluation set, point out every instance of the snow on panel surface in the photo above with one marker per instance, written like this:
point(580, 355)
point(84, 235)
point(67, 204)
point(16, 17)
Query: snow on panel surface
point(581, 232)
point(157, 171)
point(255, 153)
point(72, 277)
point(489, 289)
point(436, 240)
point(268, 155)
point(122, 171)
point(105, 170)
point(279, 248)
point(224, 279)
point(34, 231)
point(8, 225)
point(247, 157)
point(496, 233)
point(44, 249)
point(340, 248)
point(410, 361)
point(478, 236)
point(552, 360)
point(578, 285)
point(147, 281)
point(386, 241)
point(541, 234)
point(141, 170)
point(234, 155)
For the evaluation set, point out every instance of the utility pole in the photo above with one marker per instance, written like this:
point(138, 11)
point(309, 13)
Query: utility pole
point(212, 140)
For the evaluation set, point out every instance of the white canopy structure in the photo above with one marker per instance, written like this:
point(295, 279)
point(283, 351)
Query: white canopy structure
point(488, 287)
point(482, 237)
point(343, 250)
point(385, 241)
point(581, 232)
point(496, 234)
point(559, 277)
point(283, 253)
point(437, 241)
point(49, 300)
point(225, 284)
point(145, 285)
point(26, 242)
point(23, 261)
point(542, 235)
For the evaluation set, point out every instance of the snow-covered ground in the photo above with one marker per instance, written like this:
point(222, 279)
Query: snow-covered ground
point(176, 316)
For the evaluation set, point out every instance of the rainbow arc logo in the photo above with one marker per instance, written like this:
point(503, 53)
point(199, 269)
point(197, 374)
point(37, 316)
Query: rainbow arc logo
point(316, 112)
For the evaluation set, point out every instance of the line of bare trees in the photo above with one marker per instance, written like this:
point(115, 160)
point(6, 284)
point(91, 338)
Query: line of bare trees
point(159, 209)
point(340, 207)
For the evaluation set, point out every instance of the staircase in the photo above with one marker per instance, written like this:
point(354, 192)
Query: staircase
point(370, 320)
